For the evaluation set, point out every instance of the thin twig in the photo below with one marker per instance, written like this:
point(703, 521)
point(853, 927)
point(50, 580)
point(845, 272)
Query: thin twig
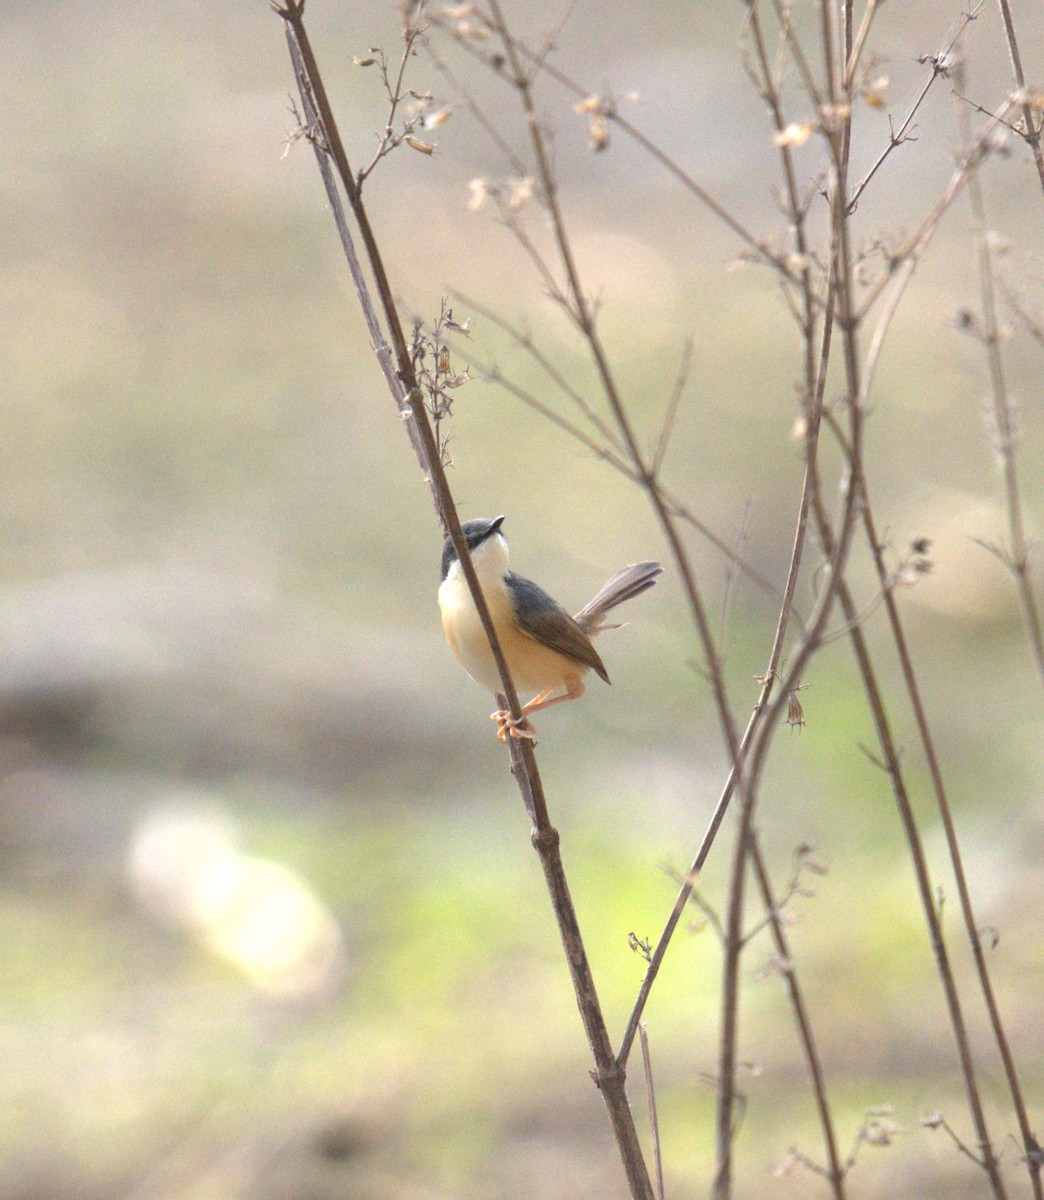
point(584, 318)
point(855, 54)
point(1031, 325)
point(612, 454)
point(759, 247)
point(835, 1173)
point(654, 1123)
point(837, 130)
point(941, 64)
point(489, 127)
point(904, 261)
point(389, 139)
point(728, 583)
point(756, 717)
point(1016, 558)
point(797, 52)
point(1033, 123)
point(673, 403)
point(526, 342)
point(896, 137)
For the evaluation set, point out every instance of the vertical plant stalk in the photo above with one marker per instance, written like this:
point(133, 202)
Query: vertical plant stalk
point(813, 382)
point(608, 1074)
point(835, 1170)
point(892, 764)
point(1019, 565)
point(654, 1120)
point(584, 319)
point(858, 385)
point(1017, 556)
point(1031, 119)
point(1031, 1147)
point(647, 477)
point(835, 118)
point(763, 724)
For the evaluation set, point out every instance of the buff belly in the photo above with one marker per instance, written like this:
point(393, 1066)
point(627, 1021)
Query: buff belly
point(534, 667)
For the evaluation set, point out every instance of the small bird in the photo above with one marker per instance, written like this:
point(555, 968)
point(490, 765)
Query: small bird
point(548, 651)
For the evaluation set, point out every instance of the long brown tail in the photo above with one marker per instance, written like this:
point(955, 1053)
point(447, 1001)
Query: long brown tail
point(624, 585)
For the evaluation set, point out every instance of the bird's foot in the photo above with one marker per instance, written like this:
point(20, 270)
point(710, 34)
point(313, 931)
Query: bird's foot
point(509, 726)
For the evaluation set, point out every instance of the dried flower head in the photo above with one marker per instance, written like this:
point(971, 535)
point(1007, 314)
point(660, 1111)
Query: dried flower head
point(590, 104)
point(879, 1131)
point(795, 134)
point(598, 131)
point(833, 116)
point(520, 192)
point(874, 92)
point(439, 117)
point(478, 195)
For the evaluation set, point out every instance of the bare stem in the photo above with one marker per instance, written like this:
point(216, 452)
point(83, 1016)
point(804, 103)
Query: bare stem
point(578, 307)
point(758, 247)
point(611, 450)
point(940, 64)
point(1033, 1157)
point(1032, 122)
point(654, 1121)
point(835, 1173)
point(581, 311)
point(609, 1075)
point(987, 1158)
point(1016, 558)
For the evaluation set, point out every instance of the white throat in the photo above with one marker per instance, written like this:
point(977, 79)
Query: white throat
point(490, 560)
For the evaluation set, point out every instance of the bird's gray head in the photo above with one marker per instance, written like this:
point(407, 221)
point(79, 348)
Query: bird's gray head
point(475, 533)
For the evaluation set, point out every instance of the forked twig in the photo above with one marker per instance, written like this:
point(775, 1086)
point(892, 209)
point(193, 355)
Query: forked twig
point(941, 64)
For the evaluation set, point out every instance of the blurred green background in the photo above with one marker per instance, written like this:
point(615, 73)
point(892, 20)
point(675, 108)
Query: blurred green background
point(271, 925)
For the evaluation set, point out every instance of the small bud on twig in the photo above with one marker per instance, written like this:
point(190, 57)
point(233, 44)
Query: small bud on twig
point(795, 713)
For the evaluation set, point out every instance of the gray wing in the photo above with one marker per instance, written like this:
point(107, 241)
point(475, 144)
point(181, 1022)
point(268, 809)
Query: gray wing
point(546, 621)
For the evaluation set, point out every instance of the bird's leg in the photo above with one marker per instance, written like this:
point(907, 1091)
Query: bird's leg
point(508, 725)
point(576, 690)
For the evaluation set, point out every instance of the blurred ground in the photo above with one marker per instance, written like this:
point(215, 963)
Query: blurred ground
point(269, 920)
